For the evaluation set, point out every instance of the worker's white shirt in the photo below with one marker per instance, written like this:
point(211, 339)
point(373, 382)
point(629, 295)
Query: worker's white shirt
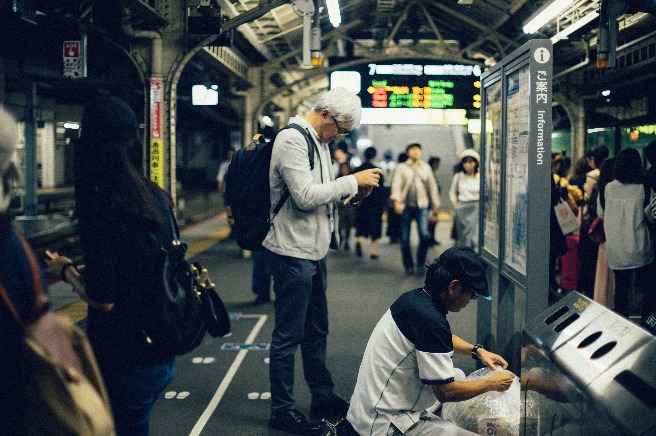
point(409, 350)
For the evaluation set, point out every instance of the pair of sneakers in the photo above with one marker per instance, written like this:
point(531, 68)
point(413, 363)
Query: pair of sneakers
point(294, 422)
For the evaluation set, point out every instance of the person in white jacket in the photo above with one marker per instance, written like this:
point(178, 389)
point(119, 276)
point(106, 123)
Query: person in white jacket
point(464, 195)
point(627, 238)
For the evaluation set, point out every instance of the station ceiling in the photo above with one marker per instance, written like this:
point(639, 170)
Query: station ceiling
point(454, 31)
point(269, 33)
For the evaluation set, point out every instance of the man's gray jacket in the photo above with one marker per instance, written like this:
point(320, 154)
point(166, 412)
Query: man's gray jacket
point(306, 222)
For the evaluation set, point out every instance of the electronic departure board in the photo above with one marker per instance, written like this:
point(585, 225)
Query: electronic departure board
point(419, 85)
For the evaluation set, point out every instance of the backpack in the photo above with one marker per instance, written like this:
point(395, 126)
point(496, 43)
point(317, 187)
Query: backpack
point(247, 190)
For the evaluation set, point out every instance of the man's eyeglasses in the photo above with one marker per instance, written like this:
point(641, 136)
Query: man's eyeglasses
point(342, 132)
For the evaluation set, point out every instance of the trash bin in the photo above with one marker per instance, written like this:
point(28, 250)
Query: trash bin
point(562, 320)
point(627, 391)
point(589, 371)
point(601, 344)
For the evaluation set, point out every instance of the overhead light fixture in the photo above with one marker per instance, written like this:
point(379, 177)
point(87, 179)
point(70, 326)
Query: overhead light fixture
point(545, 14)
point(334, 15)
point(574, 27)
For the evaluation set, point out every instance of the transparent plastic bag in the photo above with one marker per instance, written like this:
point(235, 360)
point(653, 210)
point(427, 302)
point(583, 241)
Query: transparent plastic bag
point(491, 413)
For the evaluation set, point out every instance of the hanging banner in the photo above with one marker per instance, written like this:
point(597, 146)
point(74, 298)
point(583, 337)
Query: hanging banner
point(156, 142)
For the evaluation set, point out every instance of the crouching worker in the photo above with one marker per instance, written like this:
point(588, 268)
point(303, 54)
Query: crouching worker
point(407, 362)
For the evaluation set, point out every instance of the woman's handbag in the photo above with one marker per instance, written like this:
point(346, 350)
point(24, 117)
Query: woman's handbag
point(60, 389)
point(185, 307)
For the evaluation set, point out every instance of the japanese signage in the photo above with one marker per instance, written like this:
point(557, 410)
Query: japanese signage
point(419, 85)
point(73, 59)
point(156, 143)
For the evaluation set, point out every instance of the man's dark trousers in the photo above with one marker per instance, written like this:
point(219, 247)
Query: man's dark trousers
point(301, 310)
point(420, 215)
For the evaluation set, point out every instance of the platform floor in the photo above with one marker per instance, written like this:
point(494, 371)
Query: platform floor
point(221, 391)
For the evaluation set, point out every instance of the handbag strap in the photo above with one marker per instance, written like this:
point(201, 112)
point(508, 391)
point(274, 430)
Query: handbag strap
point(41, 304)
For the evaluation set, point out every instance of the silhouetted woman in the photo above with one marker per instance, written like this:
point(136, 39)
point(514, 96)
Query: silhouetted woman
point(124, 219)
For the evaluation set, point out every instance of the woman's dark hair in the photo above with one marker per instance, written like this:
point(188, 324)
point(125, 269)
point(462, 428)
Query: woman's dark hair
point(461, 167)
point(628, 167)
point(437, 278)
point(108, 161)
point(605, 177)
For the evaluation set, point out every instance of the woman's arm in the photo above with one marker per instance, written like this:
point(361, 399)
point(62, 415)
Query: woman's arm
point(63, 267)
point(453, 192)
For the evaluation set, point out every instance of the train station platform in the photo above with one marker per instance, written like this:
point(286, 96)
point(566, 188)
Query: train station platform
point(222, 387)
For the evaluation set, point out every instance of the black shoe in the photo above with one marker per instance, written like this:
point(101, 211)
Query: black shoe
point(358, 249)
point(261, 299)
point(332, 408)
point(374, 256)
point(293, 421)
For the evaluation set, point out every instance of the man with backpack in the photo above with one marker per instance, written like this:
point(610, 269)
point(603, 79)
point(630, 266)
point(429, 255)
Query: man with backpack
point(296, 246)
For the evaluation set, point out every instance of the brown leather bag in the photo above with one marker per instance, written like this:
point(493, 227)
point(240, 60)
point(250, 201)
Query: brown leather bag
point(61, 390)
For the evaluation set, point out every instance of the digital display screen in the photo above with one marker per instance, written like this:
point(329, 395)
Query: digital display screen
point(419, 85)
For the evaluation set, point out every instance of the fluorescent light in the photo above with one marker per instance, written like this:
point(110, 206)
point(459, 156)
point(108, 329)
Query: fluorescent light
point(201, 95)
point(605, 93)
point(574, 27)
point(73, 126)
point(350, 80)
point(543, 17)
point(333, 12)
point(414, 116)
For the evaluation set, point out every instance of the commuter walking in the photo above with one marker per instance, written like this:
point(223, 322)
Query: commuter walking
point(627, 237)
point(464, 195)
point(434, 163)
point(388, 165)
point(124, 220)
point(414, 193)
point(369, 216)
point(407, 364)
point(297, 245)
point(394, 219)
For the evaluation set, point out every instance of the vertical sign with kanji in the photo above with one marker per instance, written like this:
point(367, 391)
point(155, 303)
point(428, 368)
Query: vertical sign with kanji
point(73, 59)
point(156, 143)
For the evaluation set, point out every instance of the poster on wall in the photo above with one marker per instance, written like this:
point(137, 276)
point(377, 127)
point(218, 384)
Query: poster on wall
point(493, 153)
point(517, 169)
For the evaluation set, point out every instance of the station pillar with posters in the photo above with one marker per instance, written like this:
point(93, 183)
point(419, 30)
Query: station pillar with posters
point(515, 200)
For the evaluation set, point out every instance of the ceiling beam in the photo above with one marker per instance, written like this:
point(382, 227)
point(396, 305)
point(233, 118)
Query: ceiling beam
point(474, 23)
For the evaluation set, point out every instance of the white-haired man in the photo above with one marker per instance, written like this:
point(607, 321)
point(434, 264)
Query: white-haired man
point(296, 248)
